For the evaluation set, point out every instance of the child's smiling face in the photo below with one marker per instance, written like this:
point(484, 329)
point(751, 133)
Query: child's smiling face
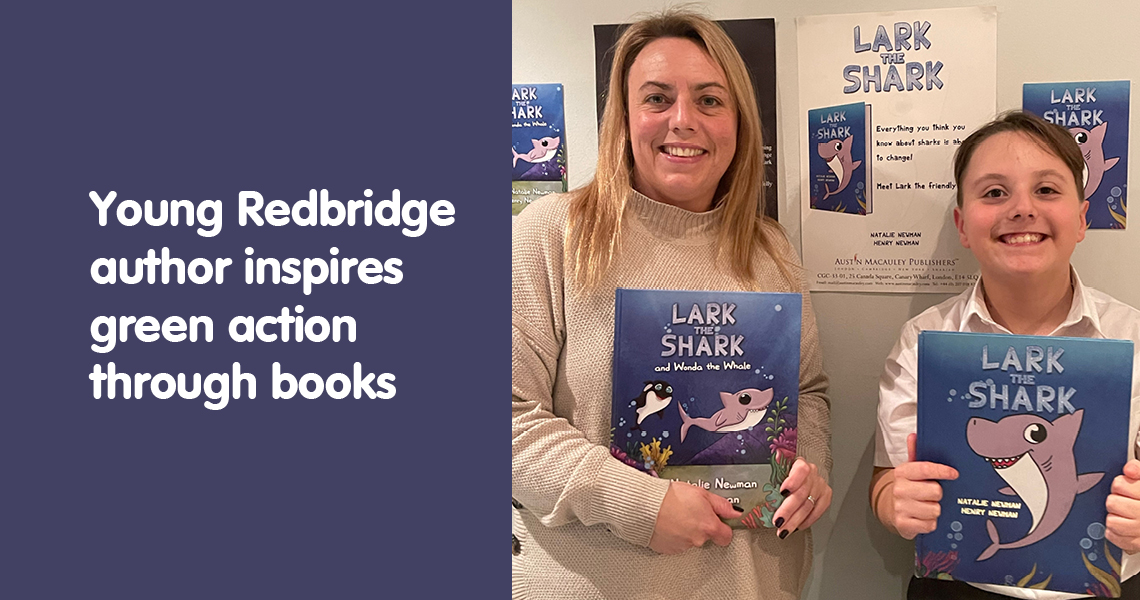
point(1020, 213)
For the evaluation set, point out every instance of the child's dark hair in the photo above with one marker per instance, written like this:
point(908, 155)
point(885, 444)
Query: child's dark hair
point(1054, 139)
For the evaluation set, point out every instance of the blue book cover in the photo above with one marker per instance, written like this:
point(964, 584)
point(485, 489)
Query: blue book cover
point(839, 172)
point(538, 137)
point(706, 391)
point(1096, 113)
point(1037, 428)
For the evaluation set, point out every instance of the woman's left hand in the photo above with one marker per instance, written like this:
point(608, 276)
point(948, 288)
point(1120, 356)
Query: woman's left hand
point(1123, 522)
point(807, 497)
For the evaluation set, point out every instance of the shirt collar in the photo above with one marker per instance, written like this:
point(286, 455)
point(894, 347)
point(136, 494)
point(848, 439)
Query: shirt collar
point(1081, 310)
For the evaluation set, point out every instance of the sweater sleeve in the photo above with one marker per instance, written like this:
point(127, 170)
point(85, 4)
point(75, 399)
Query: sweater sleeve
point(556, 473)
point(813, 439)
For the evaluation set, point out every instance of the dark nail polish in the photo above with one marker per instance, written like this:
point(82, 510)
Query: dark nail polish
point(784, 493)
point(738, 508)
point(783, 533)
point(779, 521)
point(516, 545)
point(515, 503)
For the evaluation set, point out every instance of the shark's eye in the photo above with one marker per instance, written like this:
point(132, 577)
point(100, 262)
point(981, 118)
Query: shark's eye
point(745, 398)
point(544, 143)
point(1081, 137)
point(838, 146)
point(657, 388)
point(1035, 433)
point(668, 389)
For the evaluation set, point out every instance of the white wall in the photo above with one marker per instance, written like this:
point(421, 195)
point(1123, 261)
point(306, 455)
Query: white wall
point(1038, 40)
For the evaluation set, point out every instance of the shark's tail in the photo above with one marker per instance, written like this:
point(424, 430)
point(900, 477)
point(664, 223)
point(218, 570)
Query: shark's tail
point(995, 545)
point(826, 192)
point(517, 157)
point(686, 421)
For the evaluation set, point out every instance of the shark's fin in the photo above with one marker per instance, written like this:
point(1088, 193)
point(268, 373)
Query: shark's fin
point(1110, 162)
point(995, 545)
point(855, 165)
point(1008, 491)
point(686, 422)
point(1087, 481)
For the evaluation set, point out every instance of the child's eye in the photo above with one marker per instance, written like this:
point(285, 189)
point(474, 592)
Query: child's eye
point(994, 193)
point(1047, 190)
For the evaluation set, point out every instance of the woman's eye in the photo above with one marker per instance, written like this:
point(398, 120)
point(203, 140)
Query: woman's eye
point(710, 101)
point(655, 99)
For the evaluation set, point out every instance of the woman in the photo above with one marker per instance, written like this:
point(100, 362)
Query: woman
point(675, 204)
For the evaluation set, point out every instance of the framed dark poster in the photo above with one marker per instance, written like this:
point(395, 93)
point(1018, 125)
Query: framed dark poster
point(755, 39)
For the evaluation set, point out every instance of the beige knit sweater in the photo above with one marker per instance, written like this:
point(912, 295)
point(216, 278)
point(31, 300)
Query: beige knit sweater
point(587, 519)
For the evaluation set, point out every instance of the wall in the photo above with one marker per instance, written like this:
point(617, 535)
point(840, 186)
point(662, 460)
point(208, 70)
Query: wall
point(1037, 41)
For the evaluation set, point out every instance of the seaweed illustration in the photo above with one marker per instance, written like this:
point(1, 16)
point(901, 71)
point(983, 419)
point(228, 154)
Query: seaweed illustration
point(781, 441)
point(937, 565)
point(1024, 581)
point(654, 456)
point(1121, 217)
point(1108, 586)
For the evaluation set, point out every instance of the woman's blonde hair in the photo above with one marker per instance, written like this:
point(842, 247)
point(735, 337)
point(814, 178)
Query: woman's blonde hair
point(596, 209)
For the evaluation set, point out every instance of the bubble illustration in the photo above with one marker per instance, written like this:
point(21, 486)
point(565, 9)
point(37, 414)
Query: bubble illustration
point(1116, 192)
point(1086, 543)
point(664, 434)
point(779, 308)
point(956, 526)
point(642, 434)
point(949, 536)
point(739, 437)
point(953, 546)
point(1092, 555)
point(958, 537)
point(717, 328)
point(953, 392)
point(1096, 531)
point(757, 371)
point(1009, 580)
point(859, 185)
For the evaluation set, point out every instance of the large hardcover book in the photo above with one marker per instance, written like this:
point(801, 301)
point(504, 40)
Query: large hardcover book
point(538, 142)
point(1037, 428)
point(839, 166)
point(706, 391)
point(1096, 113)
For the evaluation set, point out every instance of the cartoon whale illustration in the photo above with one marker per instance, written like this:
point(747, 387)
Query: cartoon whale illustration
point(543, 150)
point(1035, 457)
point(653, 399)
point(837, 154)
point(1091, 142)
point(741, 410)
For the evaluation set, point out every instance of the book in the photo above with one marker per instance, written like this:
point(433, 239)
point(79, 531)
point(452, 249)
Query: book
point(538, 142)
point(839, 148)
point(1037, 428)
point(1096, 113)
point(706, 391)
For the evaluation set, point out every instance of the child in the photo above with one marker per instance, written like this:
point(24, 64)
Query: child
point(1021, 212)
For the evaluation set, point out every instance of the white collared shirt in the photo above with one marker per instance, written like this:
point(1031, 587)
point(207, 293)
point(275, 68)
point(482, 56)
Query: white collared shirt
point(1093, 314)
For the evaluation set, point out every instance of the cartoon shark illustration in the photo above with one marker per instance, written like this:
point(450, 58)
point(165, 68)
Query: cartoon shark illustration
point(653, 399)
point(837, 154)
point(1092, 146)
point(1035, 457)
point(543, 150)
point(741, 410)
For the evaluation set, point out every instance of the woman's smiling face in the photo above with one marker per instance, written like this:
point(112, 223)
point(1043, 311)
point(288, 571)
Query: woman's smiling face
point(1020, 212)
point(682, 123)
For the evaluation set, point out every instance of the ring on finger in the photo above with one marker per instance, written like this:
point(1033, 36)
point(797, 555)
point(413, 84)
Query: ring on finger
point(812, 500)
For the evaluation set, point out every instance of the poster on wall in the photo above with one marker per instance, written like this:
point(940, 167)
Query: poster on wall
point(1096, 113)
point(538, 143)
point(755, 39)
point(885, 99)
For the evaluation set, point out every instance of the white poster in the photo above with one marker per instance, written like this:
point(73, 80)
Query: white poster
point(885, 99)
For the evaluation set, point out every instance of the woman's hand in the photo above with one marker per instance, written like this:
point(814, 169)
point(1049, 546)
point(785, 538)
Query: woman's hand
point(1123, 522)
point(806, 498)
point(689, 517)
